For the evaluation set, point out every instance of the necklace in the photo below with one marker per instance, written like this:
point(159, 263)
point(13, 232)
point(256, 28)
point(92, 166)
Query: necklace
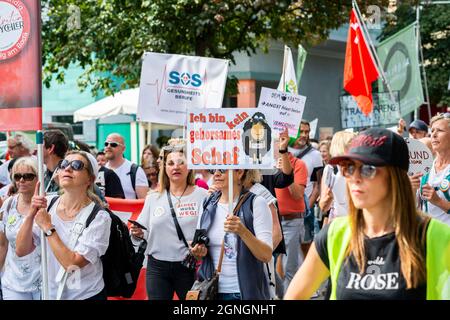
point(72, 215)
point(179, 198)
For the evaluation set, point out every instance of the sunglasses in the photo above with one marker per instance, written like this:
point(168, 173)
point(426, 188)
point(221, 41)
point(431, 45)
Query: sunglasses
point(76, 165)
point(366, 171)
point(174, 148)
point(26, 176)
point(221, 171)
point(179, 162)
point(112, 144)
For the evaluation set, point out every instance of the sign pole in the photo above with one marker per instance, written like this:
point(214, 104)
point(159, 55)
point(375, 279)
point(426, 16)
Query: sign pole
point(40, 150)
point(230, 192)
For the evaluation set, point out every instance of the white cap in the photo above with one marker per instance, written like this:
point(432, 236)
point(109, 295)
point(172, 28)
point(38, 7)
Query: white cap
point(93, 162)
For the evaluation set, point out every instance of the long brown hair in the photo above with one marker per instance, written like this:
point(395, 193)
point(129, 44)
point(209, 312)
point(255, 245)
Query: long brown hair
point(407, 222)
point(163, 179)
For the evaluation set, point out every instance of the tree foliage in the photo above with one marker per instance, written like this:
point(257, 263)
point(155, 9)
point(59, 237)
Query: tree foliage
point(112, 35)
point(435, 37)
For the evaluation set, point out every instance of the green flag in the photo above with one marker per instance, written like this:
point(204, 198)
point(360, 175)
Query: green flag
point(399, 57)
point(301, 57)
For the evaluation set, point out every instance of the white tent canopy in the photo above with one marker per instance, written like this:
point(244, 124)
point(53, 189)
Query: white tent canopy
point(122, 102)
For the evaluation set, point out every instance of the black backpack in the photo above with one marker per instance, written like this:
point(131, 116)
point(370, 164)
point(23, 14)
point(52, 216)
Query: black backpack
point(121, 263)
point(133, 170)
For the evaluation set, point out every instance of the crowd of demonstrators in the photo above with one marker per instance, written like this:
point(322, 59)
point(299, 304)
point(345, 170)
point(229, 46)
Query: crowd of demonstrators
point(385, 248)
point(132, 177)
point(21, 279)
point(371, 223)
point(73, 249)
point(245, 238)
point(170, 216)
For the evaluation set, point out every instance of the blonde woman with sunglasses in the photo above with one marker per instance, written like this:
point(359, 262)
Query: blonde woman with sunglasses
point(21, 279)
point(75, 270)
point(170, 217)
point(385, 248)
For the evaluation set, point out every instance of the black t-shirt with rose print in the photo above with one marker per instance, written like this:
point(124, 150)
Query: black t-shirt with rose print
point(382, 279)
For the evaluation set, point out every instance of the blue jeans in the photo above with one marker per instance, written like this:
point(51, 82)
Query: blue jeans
point(229, 296)
point(293, 231)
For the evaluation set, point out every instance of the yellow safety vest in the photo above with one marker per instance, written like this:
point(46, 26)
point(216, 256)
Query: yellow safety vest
point(437, 256)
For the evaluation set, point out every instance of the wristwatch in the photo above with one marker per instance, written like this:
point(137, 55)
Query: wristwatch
point(283, 151)
point(49, 232)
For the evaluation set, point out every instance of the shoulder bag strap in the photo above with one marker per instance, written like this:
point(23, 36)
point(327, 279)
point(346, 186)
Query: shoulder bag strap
point(235, 211)
point(301, 155)
point(175, 221)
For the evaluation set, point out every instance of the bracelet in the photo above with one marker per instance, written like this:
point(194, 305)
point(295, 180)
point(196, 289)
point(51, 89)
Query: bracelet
point(283, 151)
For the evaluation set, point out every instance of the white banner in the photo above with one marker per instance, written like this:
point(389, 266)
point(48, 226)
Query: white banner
point(230, 139)
point(286, 108)
point(172, 83)
point(385, 112)
point(313, 128)
point(420, 157)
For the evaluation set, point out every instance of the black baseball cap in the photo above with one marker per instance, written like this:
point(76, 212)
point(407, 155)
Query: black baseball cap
point(378, 147)
point(419, 125)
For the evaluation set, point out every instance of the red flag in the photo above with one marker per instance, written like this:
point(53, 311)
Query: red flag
point(359, 70)
point(20, 65)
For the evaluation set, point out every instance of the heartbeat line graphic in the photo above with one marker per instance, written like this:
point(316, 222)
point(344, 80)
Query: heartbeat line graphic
point(205, 91)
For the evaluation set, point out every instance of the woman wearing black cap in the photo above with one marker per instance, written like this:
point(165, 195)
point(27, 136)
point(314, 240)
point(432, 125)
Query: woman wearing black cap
point(385, 248)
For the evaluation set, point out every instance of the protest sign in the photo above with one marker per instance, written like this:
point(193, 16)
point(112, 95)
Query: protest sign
point(20, 65)
point(420, 157)
point(172, 83)
point(286, 108)
point(385, 112)
point(229, 139)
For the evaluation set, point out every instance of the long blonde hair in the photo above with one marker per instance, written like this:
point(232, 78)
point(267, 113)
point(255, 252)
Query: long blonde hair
point(407, 221)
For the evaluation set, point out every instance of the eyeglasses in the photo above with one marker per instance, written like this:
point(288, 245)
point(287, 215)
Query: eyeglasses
point(221, 171)
point(153, 174)
point(366, 171)
point(112, 144)
point(76, 165)
point(26, 176)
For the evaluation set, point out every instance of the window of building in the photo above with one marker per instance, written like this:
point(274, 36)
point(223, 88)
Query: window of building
point(77, 126)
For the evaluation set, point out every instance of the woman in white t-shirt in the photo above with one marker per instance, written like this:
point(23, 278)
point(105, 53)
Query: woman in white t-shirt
point(21, 279)
point(333, 194)
point(170, 266)
point(75, 270)
point(247, 239)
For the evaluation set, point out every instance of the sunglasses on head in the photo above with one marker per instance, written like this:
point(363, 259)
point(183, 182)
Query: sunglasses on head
point(366, 171)
point(26, 176)
point(112, 144)
point(76, 165)
point(221, 171)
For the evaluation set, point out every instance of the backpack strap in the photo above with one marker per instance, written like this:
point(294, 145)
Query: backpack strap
point(133, 171)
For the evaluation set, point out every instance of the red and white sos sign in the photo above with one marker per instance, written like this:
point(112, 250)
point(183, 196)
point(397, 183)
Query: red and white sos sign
point(14, 28)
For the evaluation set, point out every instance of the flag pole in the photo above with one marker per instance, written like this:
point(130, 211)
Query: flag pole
point(422, 62)
point(44, 268)
point(284, 68)
point(373, 54)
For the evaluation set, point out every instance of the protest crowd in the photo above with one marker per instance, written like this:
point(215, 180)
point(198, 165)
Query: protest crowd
point(303, 230)
point(243, 205)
